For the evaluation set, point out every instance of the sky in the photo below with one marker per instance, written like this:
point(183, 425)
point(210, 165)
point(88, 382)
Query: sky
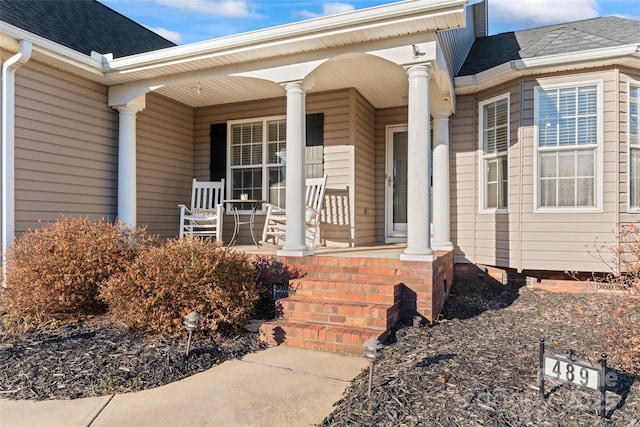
point(189, 21)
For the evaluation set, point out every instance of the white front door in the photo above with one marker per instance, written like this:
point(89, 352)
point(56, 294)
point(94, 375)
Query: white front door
point(396, 184)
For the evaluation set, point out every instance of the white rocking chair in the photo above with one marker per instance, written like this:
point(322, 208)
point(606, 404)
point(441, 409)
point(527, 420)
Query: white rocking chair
point(275, 225)
point(204, 218)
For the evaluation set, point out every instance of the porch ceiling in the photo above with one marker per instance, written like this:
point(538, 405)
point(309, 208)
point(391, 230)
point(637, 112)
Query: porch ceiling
point(386, 87)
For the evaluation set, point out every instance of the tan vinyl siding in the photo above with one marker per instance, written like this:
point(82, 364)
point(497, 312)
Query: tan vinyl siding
point(65, 148)
point(165, 163)
point(384, 117)
point(496, 234)
point(625, 76)
point(363, 125)
point(464, 176)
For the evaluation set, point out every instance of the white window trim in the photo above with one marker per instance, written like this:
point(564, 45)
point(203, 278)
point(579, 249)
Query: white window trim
point(599, 150)
point(630, 209)
point(481, 169)
point(265, 171)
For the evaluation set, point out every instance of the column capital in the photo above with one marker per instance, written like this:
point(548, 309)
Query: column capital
point(128, 109)
point(132, 107)
point(440, 114)
point(424, 69)
point(294, 86)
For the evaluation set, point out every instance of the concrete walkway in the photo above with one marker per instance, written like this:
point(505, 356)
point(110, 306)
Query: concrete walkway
point(280, 386)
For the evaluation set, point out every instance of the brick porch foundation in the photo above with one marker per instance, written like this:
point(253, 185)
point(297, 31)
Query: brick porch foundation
point(343, 301)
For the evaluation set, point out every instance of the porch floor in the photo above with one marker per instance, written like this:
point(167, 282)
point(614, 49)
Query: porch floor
point(381, 250)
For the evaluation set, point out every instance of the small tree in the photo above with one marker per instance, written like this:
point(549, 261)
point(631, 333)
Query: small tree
point(55, 272)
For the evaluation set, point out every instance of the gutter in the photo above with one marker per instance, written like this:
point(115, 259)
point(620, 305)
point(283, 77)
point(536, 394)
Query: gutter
point(8, 146)
point(50, 49)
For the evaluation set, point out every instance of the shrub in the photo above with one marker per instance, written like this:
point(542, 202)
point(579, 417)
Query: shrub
point(622, 258)
point(167, 282)
point(54, 272)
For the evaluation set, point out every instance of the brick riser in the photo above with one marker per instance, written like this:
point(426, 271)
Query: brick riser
point(334, 315)
point(340, 312)
point(344, 301)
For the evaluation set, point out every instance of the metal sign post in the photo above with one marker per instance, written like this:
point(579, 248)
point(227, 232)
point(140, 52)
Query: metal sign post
point(570, 370)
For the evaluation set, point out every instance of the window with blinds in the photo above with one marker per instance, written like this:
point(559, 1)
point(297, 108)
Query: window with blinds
point(257, 155)
point(567, 145)
point(246, 147)
point(494, 135)
point(634, 147)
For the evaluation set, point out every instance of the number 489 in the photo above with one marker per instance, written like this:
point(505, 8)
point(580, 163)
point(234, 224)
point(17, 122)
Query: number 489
point(570, 373)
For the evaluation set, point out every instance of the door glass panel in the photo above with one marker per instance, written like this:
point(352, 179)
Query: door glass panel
point(399, 177)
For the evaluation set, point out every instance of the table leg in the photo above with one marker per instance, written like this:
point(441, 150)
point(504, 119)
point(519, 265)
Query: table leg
point(252, 224)
point(236, 226)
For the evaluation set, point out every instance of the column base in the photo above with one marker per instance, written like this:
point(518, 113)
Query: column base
point(295, 252)
point(418, 256)
point(442, 246)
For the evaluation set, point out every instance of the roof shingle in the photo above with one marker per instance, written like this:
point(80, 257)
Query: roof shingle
point(491, 51)
point(82, 25)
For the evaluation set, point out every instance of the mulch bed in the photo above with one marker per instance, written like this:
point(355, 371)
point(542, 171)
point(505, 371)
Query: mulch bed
point(477, 366)
point(94, 358)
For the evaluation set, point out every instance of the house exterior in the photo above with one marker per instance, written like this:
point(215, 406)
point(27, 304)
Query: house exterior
point(516, 151)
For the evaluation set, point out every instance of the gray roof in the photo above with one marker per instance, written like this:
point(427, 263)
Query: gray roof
point(491, 51)
point(82, 25)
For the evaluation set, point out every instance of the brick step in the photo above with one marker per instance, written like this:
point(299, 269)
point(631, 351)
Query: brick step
point(376, 293)
point(338, 312)
point(316, 336)
point(365, 274)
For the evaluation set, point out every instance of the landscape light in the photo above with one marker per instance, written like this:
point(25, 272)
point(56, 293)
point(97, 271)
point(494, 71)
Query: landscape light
point(191, 323)
point(372, 352)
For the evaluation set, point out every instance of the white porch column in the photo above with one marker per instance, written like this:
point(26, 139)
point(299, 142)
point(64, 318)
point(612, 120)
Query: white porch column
point(295, 244)
point(441, 199)
point(418, 165)
point(127, 171)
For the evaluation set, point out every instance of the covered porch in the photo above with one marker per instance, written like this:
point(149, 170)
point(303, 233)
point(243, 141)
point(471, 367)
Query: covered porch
point(367, 93)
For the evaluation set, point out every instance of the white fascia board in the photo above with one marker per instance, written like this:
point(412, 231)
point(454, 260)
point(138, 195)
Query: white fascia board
point(515, 68)
point(384, 15)
point(582, 56)
point(51, 49)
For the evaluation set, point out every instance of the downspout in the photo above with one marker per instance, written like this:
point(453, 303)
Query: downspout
point(8, 145)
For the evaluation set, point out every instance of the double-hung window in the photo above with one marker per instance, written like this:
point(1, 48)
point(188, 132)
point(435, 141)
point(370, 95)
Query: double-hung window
point(494, 141)
point(634, 147)
point(568, 139)
point(257, 159)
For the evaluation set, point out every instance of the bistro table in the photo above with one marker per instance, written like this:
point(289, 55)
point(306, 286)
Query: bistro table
point(234, 203)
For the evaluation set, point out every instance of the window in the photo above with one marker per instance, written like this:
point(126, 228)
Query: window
point(257, 157)
point(494, 140)
point(568, 135)
point(634, 147)
point(257, 151)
